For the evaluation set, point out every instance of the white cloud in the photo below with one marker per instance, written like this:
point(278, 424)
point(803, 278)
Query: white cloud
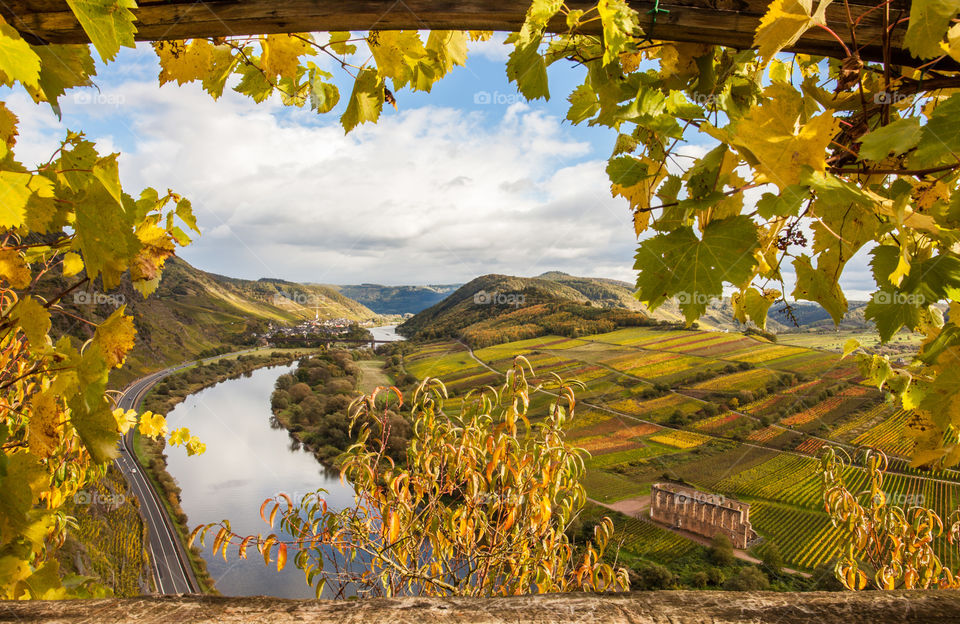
point(492, 49)
point(427, 195)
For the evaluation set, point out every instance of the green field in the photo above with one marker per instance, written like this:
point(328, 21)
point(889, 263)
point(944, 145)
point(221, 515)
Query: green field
point(725, 412)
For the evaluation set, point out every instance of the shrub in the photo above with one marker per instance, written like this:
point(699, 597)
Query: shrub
point(750, 578)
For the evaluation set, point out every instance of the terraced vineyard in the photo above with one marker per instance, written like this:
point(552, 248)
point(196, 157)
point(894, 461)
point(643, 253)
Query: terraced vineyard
point(666, 404)
point(811, 540)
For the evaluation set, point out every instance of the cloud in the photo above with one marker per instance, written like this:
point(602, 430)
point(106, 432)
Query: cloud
point(428, 195)
point(432, 194)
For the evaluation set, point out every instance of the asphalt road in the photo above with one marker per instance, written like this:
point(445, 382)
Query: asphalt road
point(172, 573)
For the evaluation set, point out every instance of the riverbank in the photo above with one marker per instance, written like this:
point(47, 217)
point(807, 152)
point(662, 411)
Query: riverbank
point(312, 403)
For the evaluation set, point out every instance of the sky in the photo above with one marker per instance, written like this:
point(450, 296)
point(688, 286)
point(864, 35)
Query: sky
point(466, 180)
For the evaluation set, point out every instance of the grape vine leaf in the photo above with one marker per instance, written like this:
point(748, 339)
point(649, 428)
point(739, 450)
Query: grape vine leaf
point(20, 481)
point(619, 23)
point(815, 285)
point(14, 191)
point(929, 20)
point(281, 54)
point(34, 320)
point(695, 269)
point(897, 137)
point(538, 16)
point(18, 61)
point(940, 137)
point(13, 269)
point(754, 305)
point(526, 67)
point(62, 67)
point(184, 62)
point(774, 135)
point(366, 101)
point(784, 23)
point(108, 23)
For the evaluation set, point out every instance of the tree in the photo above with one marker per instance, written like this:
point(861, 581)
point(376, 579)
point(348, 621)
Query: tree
point(699, 579)
point(750, 578)
point(649, 575)
point(480, 506)
point(771, 558)
point(721, 551)
point(890, 545)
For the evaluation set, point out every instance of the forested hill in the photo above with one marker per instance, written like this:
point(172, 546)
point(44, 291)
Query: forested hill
point(397, 299)
point(193, 312)
point(498, 308)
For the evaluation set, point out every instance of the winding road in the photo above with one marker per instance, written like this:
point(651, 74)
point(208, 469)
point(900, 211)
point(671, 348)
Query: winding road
point(172, 573)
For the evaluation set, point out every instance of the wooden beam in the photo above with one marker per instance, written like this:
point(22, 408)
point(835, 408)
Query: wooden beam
point(725, 22)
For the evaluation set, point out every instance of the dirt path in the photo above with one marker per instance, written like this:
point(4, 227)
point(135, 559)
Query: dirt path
point(373, 375)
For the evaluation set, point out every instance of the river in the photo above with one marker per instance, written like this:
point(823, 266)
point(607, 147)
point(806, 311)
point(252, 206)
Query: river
point(246, 462)
point(386, 332)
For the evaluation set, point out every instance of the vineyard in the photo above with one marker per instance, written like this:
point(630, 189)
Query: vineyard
point(109, 542)
point(650, 410)
point(680, 439)
point(811, 540)
point(646, 539)
point(888, 435)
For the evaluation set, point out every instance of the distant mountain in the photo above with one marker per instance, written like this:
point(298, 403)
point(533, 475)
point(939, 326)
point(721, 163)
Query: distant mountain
point(193, 312)
point(523, 307)
point(498, 308)
point(397, 299)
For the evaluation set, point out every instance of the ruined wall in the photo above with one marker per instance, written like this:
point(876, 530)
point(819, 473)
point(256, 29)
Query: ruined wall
point(673, 607)
point(701, 513)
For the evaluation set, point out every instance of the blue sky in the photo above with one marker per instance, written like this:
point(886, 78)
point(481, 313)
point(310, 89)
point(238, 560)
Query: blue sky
point(466, 180)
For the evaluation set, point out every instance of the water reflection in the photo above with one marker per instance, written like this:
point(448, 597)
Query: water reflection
point(248, 460)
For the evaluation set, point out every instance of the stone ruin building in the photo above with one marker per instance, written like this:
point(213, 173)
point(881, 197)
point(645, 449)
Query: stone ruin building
point(702, 513)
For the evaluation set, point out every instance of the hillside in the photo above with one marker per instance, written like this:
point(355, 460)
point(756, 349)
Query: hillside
point(397, 299)
point(497, 308)
point(559, 303)
point(193, 312)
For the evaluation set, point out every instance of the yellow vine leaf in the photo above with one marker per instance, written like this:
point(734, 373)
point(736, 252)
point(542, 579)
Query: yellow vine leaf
point(44, 422)
point(72, 264)
point(125, 419)
point(15, 190)
point(179, 436)
point(784, 23)
point(115, 337)
point(13, 269)
point(281, 54)
point(34, 320)
point(952, 45)
point(775, 136)
point(18, 61)
point(152, 425)
point(184, 62)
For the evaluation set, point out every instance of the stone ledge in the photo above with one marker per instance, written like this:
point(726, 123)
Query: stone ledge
point(673, 607)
